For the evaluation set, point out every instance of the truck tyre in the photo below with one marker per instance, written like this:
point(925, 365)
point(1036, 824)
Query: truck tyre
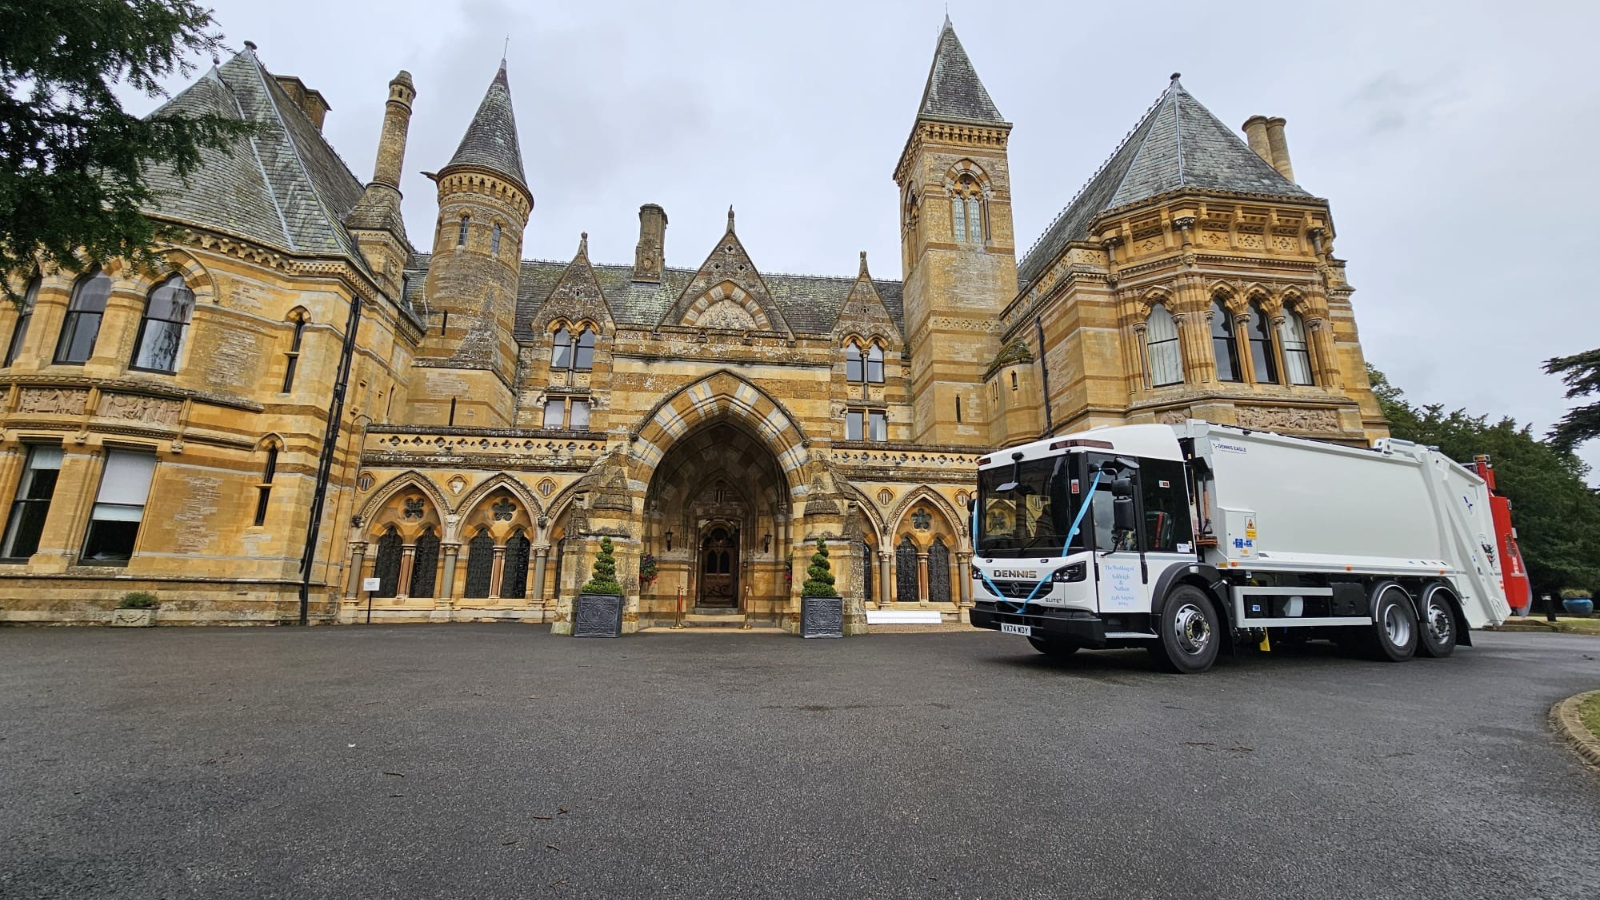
point(1394, 633)
point(1053, 649)
point(1190, 632)
point(1436, 633)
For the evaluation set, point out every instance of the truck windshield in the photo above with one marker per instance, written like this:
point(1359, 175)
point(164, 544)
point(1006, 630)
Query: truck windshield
point(1032, 518)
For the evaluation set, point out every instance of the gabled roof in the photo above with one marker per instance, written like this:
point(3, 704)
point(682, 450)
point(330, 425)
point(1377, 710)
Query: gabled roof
point(953, 90)
point(284, 188)
point(1178, 144)
point(491, 140)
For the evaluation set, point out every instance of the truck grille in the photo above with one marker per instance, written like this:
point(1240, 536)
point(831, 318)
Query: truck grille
point(1019, 590)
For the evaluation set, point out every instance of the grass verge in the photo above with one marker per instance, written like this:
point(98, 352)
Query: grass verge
point(1589, 714)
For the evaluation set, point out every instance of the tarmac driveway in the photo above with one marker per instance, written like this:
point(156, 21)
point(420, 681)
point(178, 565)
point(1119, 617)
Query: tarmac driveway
point(497, 761)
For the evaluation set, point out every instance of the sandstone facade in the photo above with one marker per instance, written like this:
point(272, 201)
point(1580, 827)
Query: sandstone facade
point(306, 401)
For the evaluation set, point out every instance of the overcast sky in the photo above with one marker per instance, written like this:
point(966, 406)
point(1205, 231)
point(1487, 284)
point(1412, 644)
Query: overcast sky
point(1453, 139)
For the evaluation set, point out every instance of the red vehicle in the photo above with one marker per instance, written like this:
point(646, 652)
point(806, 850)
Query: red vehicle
point(1519, 592)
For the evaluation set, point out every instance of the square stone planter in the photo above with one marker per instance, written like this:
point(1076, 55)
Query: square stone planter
point(133, 618)
point(822, 617)
point(597, 615)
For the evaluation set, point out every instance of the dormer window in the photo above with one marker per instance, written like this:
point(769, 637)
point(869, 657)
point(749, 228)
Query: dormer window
point(852, 363)
point(574, 352)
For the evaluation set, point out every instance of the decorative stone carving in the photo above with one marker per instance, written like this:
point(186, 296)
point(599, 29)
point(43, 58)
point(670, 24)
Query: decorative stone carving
point(458, 484)
point(819, 502)
point(135, 408)
point(1278, 418)
point(503, 510)
point(726, 314)
point(53, 401)
point(885, 497)
point(921, 519)
point(1173, 416)
point(413, 508)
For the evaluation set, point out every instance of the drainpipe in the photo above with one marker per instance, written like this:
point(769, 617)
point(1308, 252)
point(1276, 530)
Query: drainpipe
point(330, 443)
point(1044, 373)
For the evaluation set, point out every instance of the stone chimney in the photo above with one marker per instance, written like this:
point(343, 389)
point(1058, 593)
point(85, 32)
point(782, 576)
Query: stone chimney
point(1280, 148)
point(1255, 132)
point(310, 102)
point(396, 122)
point(649, 258)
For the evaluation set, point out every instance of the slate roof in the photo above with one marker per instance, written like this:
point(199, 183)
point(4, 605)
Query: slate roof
point(285, 188)
point(1178, 144)
point(491, 140)
point(953, 90)
point(810, 303)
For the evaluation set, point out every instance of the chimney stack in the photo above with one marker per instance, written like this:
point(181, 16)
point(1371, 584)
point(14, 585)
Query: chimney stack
point(649, 257)
point(1280, 148)
point(396, 122)
point(310, 102)
point(1255, 132)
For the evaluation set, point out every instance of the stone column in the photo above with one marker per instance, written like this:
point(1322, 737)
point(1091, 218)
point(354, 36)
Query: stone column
point(358, 557)
point(964, 575)
point(886, 598)
point(541, 556)
point(447, 588)
point(408, 556)
point(922, 577)
point(497, 572)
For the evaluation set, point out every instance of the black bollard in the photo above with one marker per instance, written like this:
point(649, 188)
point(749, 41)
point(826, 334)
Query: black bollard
point(1550, 602)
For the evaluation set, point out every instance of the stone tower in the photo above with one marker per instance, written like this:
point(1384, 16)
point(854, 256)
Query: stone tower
point(467, 364)
point(375, 222)
point(958, 247)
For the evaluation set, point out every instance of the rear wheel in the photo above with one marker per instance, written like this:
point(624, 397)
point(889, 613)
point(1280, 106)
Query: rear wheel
point(1053, 649)
point(1394, 634)
point(1437, 630)
point(1190, 632)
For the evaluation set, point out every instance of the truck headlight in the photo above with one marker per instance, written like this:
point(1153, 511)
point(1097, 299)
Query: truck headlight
point(1076, 572)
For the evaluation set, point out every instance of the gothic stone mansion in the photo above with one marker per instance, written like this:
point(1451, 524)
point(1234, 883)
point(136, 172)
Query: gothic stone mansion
point(305, 400)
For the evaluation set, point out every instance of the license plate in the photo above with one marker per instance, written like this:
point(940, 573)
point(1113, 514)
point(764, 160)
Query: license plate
point(1024, 630)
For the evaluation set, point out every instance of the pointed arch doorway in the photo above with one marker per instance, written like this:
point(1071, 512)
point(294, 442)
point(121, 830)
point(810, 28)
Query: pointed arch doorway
point(719, 565)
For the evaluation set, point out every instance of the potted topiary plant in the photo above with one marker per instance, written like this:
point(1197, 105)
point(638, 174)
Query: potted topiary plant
point(1577, 602)
point(598, 612)
point(137, 610)
point(821, 607)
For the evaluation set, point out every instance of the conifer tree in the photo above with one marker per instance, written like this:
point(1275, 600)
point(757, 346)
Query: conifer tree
point(819, 578)
point(604, 579)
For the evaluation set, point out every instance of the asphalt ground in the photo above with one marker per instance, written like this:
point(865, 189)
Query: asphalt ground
point(498, 761)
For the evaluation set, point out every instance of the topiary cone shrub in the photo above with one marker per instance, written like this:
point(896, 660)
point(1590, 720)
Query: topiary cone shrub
point(819, 578)
point(604, 579)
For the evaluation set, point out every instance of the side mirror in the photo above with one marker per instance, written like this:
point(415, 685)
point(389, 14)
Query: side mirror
point(1122, 514)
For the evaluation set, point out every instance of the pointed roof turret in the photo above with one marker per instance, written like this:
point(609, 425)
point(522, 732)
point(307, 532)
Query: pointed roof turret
point(1178, 145)
point(491, 140)
point(953, 90)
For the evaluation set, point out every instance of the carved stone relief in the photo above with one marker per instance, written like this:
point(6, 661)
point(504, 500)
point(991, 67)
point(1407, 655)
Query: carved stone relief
point(1287, 419)
point(134, 408)
point(53, 401)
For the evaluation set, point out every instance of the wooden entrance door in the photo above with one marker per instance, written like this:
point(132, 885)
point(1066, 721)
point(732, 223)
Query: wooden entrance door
point(719, 567)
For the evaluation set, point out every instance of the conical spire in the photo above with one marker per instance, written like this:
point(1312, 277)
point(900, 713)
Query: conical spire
point(491, 140)
point(953, 90)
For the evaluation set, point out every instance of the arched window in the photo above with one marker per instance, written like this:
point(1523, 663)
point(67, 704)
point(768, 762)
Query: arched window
point(939, 571)
point(905, 571)
point(24, 316)
point(494, 240)
point(424, 565)
point(1222, 345)
point(514, 583)
point(292, 358)
point(387, 566)
point(1161, 339)
point(875, 364)
point(264, 489)
point(166, 317)
point(966, 212)
point(561, 349)
point(1262, 355)
point(461, 235)
point(1296, 355)
point(480, 564)
point(82, 325)
point(852, 363)
point(583, 358)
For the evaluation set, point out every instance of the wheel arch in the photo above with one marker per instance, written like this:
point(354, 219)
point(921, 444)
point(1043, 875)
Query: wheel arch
point(1463, 631)
point(1200, 575)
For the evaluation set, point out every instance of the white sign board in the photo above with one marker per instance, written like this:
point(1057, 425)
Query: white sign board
point(371, 584)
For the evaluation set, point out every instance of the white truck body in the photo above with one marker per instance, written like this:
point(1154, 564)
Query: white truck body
point(1283, 532)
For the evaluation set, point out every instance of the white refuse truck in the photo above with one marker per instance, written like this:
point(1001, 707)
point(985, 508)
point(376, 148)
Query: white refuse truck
point(1186, 538)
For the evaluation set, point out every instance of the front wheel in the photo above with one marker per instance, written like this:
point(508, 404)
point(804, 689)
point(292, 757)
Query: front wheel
point(1437, 630)
point(1053, 649)
point(1190, 632)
